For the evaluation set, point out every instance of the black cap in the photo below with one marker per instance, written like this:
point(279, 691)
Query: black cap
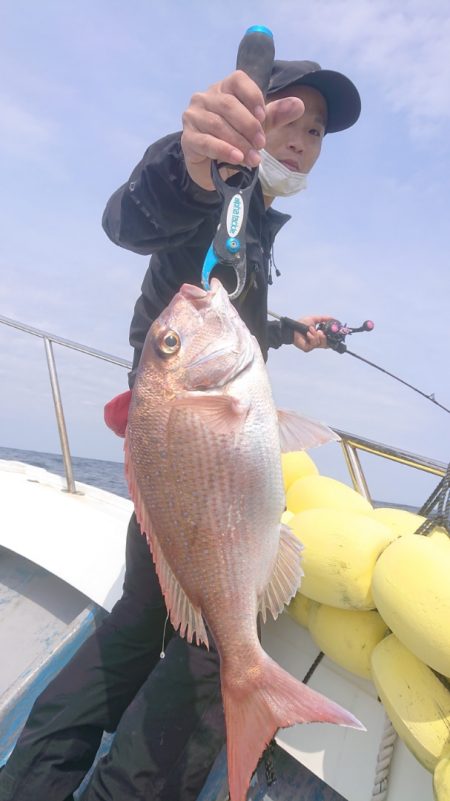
point(341, 95)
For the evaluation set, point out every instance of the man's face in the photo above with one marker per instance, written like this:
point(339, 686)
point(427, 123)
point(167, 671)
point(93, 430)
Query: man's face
point(297, 145)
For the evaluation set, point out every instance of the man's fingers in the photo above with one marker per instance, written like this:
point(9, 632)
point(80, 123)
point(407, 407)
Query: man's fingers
point(227, 129)
point(204, 146)
point(313, 338)
point(317, 339)
point(223, 123)
point(221, 115)
point(283, 111)
point(199, 146)
point(230, 134)
point(241, 86)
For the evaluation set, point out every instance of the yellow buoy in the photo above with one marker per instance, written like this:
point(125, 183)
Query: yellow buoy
point(298, 609)
point(440, 538)
point(346, 636)
point(399, 520)
point(319, 492)
point(286, 517)
point(411, 589)
point(340, 551)
point(441, 776)
point(415, 700)
point(295, 465)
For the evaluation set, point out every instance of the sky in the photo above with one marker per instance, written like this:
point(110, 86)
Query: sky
point(85, 87)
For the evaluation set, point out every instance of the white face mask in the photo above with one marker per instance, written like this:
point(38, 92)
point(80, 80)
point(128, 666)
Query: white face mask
point(278, 180)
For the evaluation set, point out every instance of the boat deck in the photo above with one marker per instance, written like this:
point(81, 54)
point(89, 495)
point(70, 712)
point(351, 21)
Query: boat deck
point(55, 585)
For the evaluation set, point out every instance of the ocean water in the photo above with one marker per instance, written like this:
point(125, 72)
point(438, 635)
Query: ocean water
point(96, 472)
point(101, 473)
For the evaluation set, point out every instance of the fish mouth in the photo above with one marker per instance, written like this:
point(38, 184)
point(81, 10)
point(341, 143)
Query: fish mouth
point(197, 296)
point(239, 346)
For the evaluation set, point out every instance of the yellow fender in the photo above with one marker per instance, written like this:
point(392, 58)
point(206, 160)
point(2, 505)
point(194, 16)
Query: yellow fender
point(319, 492)
point(346, 636)
point(441, 776)
point(416, 701)
point(299, 608)
point(399, 521)
point(411, 589)
point(295, 465)
point(340, 552)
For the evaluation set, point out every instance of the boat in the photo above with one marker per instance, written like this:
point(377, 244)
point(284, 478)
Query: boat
point(54, 590)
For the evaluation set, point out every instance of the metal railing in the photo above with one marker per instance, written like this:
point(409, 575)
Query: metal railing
point(350, 443)
point(49, 339)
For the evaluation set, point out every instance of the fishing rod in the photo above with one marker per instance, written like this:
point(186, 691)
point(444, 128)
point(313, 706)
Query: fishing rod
point(336, 332)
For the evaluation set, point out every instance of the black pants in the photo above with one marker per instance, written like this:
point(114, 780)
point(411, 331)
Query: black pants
point(167, 712)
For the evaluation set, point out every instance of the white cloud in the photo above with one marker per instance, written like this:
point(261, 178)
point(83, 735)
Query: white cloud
point(404, 48)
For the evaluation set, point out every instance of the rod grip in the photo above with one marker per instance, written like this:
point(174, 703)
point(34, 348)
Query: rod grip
point(295, 325)
point(255, 55)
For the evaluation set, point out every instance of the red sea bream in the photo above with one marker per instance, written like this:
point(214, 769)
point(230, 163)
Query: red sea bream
point(204, 470)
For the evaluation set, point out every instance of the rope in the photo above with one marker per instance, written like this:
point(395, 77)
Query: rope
point(384, 757)
point(269, 767)
point(441, 497)
point(314, 665)
point(430, 503)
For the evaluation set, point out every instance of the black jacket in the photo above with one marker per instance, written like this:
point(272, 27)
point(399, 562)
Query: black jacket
point(163, 212)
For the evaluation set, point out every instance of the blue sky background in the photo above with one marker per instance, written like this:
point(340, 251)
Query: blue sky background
point(86, 86)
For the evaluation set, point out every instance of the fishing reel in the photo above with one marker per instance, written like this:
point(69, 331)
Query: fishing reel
point(335, 332)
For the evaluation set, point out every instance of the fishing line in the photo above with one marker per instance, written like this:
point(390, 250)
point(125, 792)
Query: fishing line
point(163, 653)
point(336, 332)
point(377, 367)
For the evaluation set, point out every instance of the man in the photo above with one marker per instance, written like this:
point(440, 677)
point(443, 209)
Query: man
point(135, 674)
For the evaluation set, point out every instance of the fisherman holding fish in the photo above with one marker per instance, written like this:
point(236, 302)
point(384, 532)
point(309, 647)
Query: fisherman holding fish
point(137, 674)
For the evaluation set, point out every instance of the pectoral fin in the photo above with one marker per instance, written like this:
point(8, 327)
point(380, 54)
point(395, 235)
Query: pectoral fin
point(223, 414)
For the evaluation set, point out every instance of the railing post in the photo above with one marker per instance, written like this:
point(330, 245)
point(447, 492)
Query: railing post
point(355, 470)
point(60, 416)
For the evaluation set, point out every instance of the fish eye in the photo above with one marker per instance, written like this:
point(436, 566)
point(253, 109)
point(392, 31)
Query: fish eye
point(169, 343)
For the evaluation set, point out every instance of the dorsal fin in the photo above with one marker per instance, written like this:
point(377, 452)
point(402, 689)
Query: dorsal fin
point(298, 433)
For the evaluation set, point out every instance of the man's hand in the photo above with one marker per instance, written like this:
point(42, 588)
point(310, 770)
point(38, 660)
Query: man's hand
point(227, 123)
point(314, 338)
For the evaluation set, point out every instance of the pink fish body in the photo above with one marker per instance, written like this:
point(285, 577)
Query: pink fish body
point(204, 470)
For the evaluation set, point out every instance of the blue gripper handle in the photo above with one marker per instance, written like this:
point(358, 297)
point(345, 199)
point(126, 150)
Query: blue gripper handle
point(255, 55)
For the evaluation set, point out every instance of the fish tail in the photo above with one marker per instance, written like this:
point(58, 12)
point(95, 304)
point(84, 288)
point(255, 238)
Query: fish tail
point(260, 702)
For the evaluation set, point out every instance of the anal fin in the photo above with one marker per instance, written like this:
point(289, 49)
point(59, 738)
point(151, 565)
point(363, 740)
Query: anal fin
point(286, 575)
point(183, 614)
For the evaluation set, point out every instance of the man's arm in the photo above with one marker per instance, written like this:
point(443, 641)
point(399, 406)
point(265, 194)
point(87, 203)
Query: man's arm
point(278, 334)
point(160, 206)
point(170, 191)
